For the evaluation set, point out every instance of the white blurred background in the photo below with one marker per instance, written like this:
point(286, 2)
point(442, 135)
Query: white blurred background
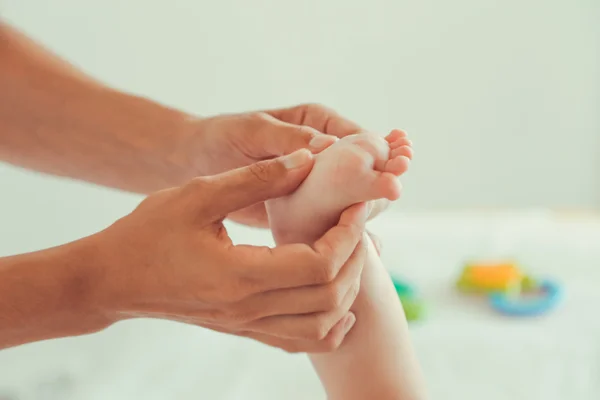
point(501, 98)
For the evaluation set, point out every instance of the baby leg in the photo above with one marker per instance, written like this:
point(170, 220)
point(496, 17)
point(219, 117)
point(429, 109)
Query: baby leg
point(376, 359)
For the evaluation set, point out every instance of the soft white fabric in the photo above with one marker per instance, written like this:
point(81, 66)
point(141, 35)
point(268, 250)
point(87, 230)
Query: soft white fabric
point(467, 350)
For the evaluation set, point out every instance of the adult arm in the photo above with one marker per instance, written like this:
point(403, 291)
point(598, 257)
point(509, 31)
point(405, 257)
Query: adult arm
point(171, 258)
point(48, 294)
point(55, 119)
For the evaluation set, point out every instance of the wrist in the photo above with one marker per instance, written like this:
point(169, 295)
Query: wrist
point(78, 292)
point(106, 276)
point(159, 140)
point(48, 294)
point(115, 285)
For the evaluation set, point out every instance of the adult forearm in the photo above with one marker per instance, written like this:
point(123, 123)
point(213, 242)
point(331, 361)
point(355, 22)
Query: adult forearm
point(49, 294)
point(57, 120)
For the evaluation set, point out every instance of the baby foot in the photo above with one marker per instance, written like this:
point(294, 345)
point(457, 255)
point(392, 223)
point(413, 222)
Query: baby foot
point(357, 168)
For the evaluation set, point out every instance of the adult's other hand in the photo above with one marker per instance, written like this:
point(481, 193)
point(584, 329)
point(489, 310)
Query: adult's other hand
point(172, 258)
point(221, 143)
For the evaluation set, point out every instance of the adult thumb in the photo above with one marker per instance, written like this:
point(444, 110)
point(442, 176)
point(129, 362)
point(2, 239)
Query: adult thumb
point(279, 138)
point(268, 179)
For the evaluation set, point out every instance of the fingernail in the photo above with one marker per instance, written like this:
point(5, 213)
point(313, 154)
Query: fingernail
point(296, 159)
point(320, 142)
point(350, 320)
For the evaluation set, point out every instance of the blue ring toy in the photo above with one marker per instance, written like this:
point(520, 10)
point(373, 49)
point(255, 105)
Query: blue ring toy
point(551, 295)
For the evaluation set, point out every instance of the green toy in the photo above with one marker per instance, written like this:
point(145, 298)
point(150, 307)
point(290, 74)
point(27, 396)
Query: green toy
point(413, 306)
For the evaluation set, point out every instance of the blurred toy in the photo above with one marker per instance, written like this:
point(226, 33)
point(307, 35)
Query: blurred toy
point(509, 290)
point(494, 277)
point(414, 308)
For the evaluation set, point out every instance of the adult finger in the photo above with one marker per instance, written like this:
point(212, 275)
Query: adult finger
point(339, 242)
point(297, 265)
point(315, 326)
point(331, 342)
point(243, 187)
point(278, 137)
point(318, 117)
point(305, 299)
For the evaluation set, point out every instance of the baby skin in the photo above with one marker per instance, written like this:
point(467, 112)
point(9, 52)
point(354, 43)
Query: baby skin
point(376, 360)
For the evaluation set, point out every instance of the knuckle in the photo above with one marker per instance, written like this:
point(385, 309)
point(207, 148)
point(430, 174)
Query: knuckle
point(260, 116)
point(198, 185)
point(320, 328)
point(229, 294)
point(236, 293)
point(214, 317)
point(218, 295)
point(228, 316)
point(320, 111)
point(261, 170)
point(237, 281)
point(326, 271)
point(235, 317)
point(331, 343)
point(316, 106)
point(257, 120)
point(253, 122)
point(245, 312)
point(303, 130)
point(334, 296)
point(291, 348)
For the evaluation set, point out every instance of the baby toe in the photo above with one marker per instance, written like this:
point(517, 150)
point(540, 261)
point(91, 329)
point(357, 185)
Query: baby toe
point(405, 151)
point(403, 141)
point(386, 186)
point(397, 165)
point(395, 135)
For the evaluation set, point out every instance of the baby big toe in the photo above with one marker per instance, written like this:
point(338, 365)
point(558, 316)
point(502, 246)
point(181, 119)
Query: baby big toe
point(385, 185)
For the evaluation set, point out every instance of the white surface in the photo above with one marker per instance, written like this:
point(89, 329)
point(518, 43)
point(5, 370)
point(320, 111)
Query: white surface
point(500, 97)
point(467, 351)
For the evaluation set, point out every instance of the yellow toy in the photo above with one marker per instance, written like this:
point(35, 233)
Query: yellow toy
point(503, 277)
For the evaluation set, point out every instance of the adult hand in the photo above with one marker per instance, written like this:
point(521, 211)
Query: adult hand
point(172, 258)
point(225, 142)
